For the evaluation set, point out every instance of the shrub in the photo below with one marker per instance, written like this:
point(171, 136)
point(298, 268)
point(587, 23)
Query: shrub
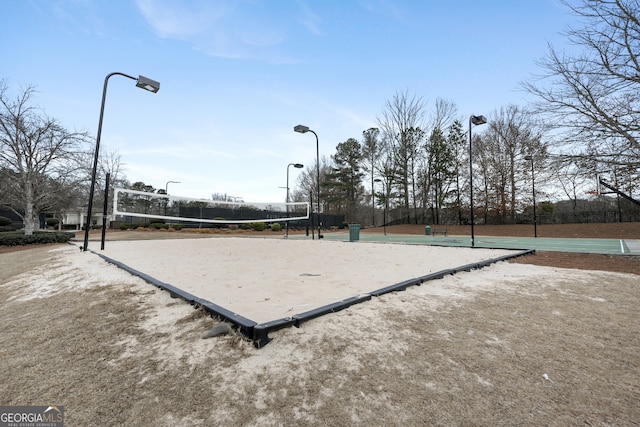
point(134, 226)
point(259, 226)
point(18, 238)
point(52, 222)
point(275, 226)
point(199, 230)
point(158, 226)
point(4, 221)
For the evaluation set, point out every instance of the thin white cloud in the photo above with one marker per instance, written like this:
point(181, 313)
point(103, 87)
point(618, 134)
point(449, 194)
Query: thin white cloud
point(233, 30)
point(383, 7)
point(310, 19)
point(354, 118)
point(181, 152)
point(78, 16)
point(181, 20)
point(263, 152)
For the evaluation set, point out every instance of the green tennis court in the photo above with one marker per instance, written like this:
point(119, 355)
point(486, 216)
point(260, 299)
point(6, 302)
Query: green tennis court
point(594, 246)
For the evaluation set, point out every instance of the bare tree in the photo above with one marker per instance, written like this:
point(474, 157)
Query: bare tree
point(511, 135)
point(595, 95)
point(401, 127)
point(306, 189)
point(444, 114)
point(574, 176)
point(34, 150)
point(110, 162)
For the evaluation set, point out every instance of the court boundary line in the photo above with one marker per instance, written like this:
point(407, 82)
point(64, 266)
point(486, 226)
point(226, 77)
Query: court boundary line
point(603, 246)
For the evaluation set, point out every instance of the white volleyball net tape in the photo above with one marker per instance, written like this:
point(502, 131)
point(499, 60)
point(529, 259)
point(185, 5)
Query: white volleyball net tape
point(172, 208)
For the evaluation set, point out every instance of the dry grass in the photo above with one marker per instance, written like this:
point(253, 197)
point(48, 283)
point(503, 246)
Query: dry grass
point(112, 354)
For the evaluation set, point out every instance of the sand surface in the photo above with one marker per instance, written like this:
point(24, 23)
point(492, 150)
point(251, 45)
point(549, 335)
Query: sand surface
point(506, 344)
point(265, 279)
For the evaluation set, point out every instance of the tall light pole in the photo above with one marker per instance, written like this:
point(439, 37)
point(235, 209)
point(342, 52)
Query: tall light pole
point(473, 120)
point(166, 193)
point(533, 187)
point(373, 203)
point(297, 166)
point(386, 204)
point(141, 82)
point(166, 186)
point(305, 129)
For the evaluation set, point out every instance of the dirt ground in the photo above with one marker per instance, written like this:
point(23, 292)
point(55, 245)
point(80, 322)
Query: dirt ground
point(538, 345)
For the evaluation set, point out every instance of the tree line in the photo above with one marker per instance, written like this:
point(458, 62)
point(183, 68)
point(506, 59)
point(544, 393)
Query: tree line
point(583, 126)
point(416, 164)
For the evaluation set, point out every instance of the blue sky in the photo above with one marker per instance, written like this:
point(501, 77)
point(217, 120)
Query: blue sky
point(237, 76)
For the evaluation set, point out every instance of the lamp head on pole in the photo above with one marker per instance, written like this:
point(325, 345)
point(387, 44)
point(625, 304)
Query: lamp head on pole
point(301, 129)
point(478, 120)
point(298, 165)
point(527, 157)
point(148, 84)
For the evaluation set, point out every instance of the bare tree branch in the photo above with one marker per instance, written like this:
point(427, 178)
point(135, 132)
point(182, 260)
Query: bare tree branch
point(38, 157)
point(594, 96)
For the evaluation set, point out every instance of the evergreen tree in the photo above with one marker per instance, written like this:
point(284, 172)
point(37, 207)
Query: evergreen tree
point(346, 176)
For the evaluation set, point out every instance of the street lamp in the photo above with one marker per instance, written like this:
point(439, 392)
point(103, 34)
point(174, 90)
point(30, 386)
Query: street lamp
point(297, 166)
point(476, 120)
point(166, 193)
point(386, 204)
point(141, 82)
point(166, 187)
point(305, 129)
point(533, 187)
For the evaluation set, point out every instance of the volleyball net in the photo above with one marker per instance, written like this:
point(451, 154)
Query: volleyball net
point(140, 204)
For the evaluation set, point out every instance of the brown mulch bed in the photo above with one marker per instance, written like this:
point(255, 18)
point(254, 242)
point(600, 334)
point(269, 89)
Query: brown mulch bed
point(614, 263)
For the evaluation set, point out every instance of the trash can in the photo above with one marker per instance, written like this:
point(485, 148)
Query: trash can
point(354, 232)
point(427, 231)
